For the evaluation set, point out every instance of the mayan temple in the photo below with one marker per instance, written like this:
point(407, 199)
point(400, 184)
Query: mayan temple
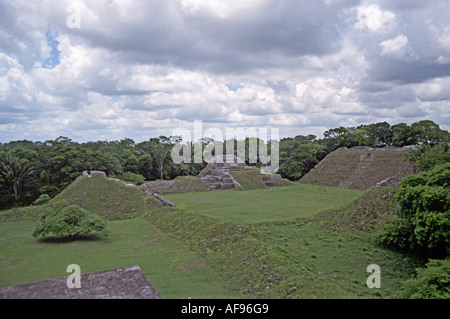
point(218, 174)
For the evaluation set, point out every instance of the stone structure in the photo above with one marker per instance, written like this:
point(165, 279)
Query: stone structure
point(218, 172)
point(388, 181)
point(162, 200)
point(387, 148)
point(120, 283)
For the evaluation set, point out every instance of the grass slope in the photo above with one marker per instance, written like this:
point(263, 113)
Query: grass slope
point(264, 205)
point(107, 198)
point(304, 257)
point(249, 179)
point(359, 169)
point(174, 269)
point(301, 241)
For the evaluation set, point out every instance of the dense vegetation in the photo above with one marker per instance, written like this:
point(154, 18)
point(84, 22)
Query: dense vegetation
point(30, 169)
point(71, 222)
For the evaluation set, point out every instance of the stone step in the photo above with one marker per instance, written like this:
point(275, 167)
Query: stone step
point(271, 177)
point(214, 186)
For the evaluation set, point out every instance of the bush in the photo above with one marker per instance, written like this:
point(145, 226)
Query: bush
point(424, 214)
point(432, 282)
point(136, 179)
point(43, 199)
point(71, 221)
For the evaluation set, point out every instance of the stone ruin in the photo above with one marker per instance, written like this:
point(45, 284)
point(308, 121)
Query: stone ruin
point(218, 172)
point(120, 283)
point(388, 181)
point(386, 148)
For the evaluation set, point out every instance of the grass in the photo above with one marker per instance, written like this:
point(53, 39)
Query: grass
point(299, 241)
point(264, 205)
point(337, 262)
point(174, 269)
point(249, 179)
point(296, 258)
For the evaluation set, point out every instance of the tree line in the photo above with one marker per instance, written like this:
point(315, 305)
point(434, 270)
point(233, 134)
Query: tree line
point(29, 169)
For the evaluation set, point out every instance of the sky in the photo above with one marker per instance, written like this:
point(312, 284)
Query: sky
point(115, 69)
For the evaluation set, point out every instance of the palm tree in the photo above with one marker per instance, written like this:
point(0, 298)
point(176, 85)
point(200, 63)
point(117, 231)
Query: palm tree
point(14, 170)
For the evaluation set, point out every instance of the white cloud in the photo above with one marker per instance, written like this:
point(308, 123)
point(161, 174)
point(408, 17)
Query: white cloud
point(437, 89)
point(444, 38)
point(221, 9)
point(371, 17)
point(395, 47)
point(138, 69)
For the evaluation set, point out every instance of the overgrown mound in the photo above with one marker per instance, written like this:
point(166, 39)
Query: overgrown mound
point(252, 179)
point(181, 184)
point(240, 252)
point(107, 198)
point(360, 168)
point(374, 207)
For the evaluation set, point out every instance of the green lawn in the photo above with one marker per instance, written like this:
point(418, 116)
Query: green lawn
point(174, 269)
point(264, 205)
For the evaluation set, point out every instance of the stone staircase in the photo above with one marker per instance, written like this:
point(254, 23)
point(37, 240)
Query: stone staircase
point(218, 175)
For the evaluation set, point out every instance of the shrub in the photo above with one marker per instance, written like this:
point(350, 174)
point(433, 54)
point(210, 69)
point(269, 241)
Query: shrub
point(71, 221)
point(424, 214)
point(136, 179)
point(431, 282)
point(43, 199)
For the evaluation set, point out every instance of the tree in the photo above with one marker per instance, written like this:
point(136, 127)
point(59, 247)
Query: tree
point(299, 155)
point(426, 157)
point(424, 214)
point(71, 221)
point(403, 135)
point(379, 134)
point(431, 282)
point(160, 148)
point(428, 132)
point(14, 172)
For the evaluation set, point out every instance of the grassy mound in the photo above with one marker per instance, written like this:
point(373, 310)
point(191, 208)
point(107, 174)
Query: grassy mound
point(107, 198)
point(359, 169)
point(240, 253)
point(365, 213)
point(249, 179)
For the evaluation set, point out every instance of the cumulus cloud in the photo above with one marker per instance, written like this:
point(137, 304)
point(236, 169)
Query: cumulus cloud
point(373, 18)
point(140, 69)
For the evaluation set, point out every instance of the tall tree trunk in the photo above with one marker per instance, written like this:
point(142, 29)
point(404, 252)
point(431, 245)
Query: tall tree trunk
point(16, 191)
point(161, 169)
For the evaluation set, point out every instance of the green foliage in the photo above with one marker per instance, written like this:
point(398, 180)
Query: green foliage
point(426, 157)
point(15, 171)
point(43, 199)
point(136, 179)
point(431, 282)
point(424, 214)
point(71, 221)
point(57, 163)
point(299, 155)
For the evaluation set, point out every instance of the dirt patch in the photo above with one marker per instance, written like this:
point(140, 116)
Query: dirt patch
point(190, 267)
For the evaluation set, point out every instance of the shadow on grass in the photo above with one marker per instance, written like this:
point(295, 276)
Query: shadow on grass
point(68, 239)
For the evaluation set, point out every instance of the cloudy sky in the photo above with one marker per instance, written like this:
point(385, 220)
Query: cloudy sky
point(111, 69)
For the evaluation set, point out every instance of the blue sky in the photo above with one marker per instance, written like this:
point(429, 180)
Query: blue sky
point(53, 59)
point(139, 69)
